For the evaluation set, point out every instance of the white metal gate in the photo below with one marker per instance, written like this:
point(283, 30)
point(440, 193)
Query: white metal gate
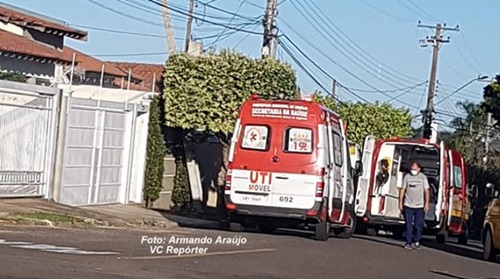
point(96, 152)
point(27, 133)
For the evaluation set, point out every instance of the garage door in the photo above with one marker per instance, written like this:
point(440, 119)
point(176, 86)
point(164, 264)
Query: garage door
point(93, 171)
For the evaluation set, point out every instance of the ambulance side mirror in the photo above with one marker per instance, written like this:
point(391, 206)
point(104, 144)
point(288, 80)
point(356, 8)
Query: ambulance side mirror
point(358, 168)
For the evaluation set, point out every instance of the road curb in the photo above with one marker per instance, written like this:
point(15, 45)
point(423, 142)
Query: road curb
point(89, 223)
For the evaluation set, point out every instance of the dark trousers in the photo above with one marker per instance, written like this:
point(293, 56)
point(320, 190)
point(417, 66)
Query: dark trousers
point(414, 219)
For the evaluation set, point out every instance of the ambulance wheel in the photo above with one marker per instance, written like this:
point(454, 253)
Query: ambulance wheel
point(441, 237)
point(489, 252)
point(463, 238)
point(322, 231)
point(235, 223)
point(346, 233)
point(235, 227)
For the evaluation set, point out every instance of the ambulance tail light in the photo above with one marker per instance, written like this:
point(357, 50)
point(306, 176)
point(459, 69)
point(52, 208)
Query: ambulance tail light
point(320, 185)
point(229, 176)
point(231, 207)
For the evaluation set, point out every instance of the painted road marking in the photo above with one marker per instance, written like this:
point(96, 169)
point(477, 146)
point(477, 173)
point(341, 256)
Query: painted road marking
point(200, 255)
point(53, 249)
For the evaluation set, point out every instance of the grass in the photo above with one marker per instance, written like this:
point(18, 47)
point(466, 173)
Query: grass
point(43, 216)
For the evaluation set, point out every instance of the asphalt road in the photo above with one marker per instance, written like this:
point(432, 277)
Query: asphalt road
point(29, 252)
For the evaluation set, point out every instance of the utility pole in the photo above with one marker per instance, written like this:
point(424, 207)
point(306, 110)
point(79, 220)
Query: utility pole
point(487, 141)
point(334, 90)
point(189, 26)
point(269, 37)
point(169, 30)
point(436, 41)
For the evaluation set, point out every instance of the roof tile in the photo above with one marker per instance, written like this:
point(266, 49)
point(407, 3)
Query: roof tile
point(29, 19)
point(92, 64)
point(12, 43)
point(146, 71)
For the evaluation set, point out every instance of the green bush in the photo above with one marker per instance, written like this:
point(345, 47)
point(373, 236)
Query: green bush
point(381, 120)
point(207, 91)
point(154, 154)
point(12, 76)
point(181, 195)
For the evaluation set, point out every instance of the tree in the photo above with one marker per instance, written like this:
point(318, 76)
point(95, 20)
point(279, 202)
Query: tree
point(381, 120)
point(155, 153)
point(469, 130)
point(491, 96)
point(206, 92)
point(468, 138)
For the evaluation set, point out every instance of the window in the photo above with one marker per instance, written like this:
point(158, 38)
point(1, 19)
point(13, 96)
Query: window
point(298, 140)
point(457, 171)
point(337, 149)
point(255, 137)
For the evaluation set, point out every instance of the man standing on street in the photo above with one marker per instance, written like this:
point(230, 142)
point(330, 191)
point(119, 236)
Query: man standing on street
point(414, 203)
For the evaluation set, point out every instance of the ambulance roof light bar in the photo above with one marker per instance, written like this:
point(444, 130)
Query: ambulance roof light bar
point(255, 96)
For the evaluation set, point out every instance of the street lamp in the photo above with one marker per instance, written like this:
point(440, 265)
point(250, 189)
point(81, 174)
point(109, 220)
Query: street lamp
point(462, 87)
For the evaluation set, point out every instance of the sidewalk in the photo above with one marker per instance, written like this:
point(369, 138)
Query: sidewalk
point(43, 212)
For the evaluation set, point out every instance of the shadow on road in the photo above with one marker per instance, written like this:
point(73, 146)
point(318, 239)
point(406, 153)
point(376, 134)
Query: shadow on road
point(471, 251)
point(199, 222)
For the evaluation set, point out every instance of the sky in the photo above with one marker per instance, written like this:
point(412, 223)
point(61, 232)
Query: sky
point(367, 46)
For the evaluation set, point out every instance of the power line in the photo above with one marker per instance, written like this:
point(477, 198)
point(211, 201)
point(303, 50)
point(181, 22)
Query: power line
point(415, 11)
point(465, 59)
point(120, 31)
point(144, 8)
point(343, 68)
point(204, 20)
point(385, 13)
point(123, 14)
point(407, 91)
point(471, 51)
point(234, 14)
point(230, 21)
point(361, 64)
point(350, 41)
point(254, 5)
point(320, 68)
point(422, 11)
point(311, 76)
point(244, 38)
point(132, 54)
point(389, 91)
point(300, 65)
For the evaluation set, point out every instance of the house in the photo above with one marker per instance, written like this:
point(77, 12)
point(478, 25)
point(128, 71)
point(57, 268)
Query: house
point(88, 122)
point(32, 44)
point(89, 70)
point(148, 72)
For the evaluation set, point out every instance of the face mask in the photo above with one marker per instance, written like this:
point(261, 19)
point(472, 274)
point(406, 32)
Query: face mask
point(414, 172)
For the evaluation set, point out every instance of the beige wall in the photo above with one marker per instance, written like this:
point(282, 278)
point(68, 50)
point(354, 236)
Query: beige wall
point(11, 28)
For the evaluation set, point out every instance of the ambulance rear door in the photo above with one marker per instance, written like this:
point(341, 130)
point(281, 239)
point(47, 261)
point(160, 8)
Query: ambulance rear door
point(364, 180)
